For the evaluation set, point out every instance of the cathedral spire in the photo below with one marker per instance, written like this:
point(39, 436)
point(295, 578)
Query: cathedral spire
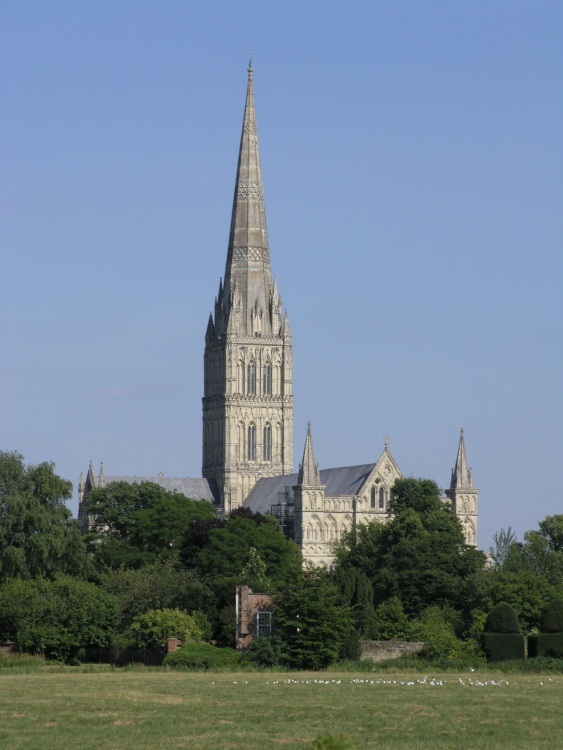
point(461, 474)
point(309, 475)
point(248, 258)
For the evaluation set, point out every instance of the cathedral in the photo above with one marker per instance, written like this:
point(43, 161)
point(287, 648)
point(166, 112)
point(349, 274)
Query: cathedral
point(248, 403)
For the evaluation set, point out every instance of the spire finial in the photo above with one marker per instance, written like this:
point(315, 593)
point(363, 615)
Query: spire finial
point(386, 439)
point(250, 68)
point(462, 430)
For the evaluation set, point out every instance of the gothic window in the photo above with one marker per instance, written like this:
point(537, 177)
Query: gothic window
point(240, 377)
point(251, 379)
point(267, 380)
point(373, 497)
point(251, 443)
point(263, 624)
point(240, 446)
point(267, 444)
point(381, 498)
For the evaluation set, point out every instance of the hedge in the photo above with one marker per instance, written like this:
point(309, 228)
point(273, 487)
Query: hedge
point(502, 619)
point(546, 644)
point(203, 656)
point(552, 618)
point(503, 646)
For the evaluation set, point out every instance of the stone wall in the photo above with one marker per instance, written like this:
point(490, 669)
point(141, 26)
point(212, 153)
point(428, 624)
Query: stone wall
point(381, 650)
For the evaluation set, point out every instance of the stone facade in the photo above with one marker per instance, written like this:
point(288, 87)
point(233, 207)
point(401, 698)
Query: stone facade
point(248, 403)
point(248, 399)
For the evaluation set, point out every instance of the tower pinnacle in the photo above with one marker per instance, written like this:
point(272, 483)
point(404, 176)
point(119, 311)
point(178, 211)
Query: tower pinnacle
point(461, 475)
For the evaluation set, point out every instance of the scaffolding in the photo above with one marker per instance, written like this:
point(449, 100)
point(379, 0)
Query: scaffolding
point(284, 511)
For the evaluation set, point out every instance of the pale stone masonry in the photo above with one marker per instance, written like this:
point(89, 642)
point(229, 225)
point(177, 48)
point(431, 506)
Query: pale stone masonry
point(248, 399)
point(248, 404)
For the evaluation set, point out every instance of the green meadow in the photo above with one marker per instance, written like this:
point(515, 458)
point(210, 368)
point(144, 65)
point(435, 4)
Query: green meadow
point(143, 710)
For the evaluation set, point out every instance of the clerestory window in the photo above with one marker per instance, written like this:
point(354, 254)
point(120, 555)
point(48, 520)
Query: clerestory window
point(251, 379)
point(251, 444)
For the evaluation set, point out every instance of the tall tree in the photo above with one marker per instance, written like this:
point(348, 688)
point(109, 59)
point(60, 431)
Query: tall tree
point(312, 623)
point(419, 556)
point(136, 524)
point(38, 536)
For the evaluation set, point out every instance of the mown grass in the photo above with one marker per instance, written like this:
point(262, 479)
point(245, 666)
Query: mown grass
point(142, 710)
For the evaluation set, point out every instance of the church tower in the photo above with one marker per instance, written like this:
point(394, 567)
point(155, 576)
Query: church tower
point(463, 494)
point(248, 401)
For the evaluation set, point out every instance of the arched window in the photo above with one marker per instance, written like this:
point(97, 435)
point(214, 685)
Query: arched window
point(251, 379)
point(267, 443)
point(373, 497)
point(251, 444)
point(381, 498)
point(267, 380)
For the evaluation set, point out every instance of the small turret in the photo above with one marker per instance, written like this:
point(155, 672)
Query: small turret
point(309, 474)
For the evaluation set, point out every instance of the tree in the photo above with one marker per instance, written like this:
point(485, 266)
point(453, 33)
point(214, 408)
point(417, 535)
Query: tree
point(505, 543)
point(136, 524)
point(153, 628)
point(311, 622)
point(161, 585)
point(356, 592)
point(228, 548)
point(57, 617)
point(38, 536)
point(419, 556)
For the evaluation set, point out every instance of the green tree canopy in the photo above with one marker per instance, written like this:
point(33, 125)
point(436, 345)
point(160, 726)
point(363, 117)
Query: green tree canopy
point(227, 549)
point(57, 617)
point(153, 628)
point(161, 585)
point(38, 536)
point(136, 524)
point(419, 556)
point(311, 622)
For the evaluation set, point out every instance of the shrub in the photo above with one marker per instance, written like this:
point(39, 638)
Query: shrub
point(502, 646)
point(502, 619)
point(552, 617)
point(546, 644)
point(265, 652)
point(351, 647)
point(203, 656)
point(153, 628)
point(391, 622)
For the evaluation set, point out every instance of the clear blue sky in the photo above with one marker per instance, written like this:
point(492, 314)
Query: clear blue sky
point(413, 171)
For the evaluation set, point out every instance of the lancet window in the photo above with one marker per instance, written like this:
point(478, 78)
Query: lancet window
point(251, 443)
point(267, 380)
point(251, 379)
point(267, 443)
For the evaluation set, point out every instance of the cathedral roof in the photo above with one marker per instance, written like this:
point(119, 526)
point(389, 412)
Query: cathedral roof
point(344, 480)
point(195, 488)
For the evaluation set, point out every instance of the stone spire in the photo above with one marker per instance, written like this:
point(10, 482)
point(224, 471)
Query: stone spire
point(309, 475)
point(248, 288)
point(461, 474)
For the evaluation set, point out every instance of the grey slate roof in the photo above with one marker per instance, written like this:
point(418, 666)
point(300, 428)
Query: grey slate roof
point(345, 480)
point(195, 488)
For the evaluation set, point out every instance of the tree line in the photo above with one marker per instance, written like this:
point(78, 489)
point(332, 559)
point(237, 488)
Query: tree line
point(158, 563)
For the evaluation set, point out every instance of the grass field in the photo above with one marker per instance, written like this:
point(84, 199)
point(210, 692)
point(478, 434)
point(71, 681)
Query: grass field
point(156, 709)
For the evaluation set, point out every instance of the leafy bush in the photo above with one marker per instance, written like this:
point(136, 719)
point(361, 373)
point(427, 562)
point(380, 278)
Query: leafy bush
point(153, 628)
point(439, 638)
point(546, 644)
point(502, 619)
point(541, 665)
point(391, 622)
point(17, 661)
point(265, 652)
point(351, 647)
point(203, 656)
point(503, 646)
point(552, 617)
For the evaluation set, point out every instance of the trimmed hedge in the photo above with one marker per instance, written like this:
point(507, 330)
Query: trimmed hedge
point(502, 619)
point(552, 618)
point(546, 644)
point(203, 656)
point(503, 646)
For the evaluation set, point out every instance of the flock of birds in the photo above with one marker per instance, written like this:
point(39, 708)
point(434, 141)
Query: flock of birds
point(468, 682)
